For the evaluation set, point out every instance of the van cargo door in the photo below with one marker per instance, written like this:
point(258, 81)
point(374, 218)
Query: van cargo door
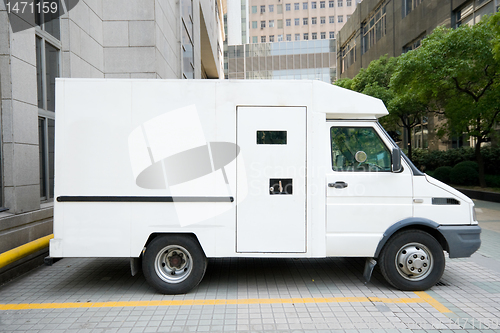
point(272, 218)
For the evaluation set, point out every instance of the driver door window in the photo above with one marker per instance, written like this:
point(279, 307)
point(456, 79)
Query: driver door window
point(358, 149)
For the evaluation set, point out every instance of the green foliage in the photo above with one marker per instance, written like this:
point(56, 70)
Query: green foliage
point(464, 175)
point(405, 110)
point(432, 159)
point(442, 174)
point(491, 160)
point(456, 72)
point(344, 83)
point(492, 180)
point(470, 164)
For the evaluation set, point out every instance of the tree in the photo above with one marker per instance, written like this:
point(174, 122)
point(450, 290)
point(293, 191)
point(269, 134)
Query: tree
point(405, 110)
point(454, 72)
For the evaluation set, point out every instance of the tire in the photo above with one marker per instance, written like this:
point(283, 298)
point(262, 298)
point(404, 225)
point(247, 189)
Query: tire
point(174, 264)
point(412, 260)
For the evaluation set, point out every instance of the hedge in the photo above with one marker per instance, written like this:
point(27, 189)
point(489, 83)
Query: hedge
point(431, 160)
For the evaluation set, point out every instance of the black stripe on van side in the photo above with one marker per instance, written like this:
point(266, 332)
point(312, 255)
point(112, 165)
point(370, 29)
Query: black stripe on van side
point(141, 199)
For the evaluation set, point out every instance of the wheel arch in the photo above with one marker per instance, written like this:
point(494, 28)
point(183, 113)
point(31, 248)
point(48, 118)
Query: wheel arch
point(422, 224)
point(158, 234)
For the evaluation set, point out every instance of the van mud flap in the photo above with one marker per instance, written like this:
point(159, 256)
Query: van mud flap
point(370, 264)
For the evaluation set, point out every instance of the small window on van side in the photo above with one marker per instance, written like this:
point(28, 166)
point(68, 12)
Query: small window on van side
point(271, 137)
point(358, 149)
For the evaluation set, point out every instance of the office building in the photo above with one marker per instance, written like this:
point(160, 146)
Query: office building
point(310, 59)
point(277, 21)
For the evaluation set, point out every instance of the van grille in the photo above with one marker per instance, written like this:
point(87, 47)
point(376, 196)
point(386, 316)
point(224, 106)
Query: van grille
point(445, 201)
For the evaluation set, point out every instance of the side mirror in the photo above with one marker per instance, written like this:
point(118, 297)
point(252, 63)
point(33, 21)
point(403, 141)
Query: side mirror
point(396, 160)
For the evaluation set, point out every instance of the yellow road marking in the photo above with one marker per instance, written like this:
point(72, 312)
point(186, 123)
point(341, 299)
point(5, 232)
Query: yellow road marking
point(422, 298)
point(432, 301)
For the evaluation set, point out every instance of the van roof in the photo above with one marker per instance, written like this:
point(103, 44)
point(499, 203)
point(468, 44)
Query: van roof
point(335, 102)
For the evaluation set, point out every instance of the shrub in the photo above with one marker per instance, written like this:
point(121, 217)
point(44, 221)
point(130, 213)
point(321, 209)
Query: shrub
point(425, 159)
point(491, 156)
point(464, 175)
point(492, 180)
point(443, 174)
point(471, 164)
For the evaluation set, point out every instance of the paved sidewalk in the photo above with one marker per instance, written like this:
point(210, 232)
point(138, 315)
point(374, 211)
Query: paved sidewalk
point(252, 295)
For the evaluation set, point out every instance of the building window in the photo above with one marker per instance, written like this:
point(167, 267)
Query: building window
point(288, 7)
point(279, 8)
point(271, 23)
point(288, 37)
point(340, 3)
point(297, 21)
point(254, 9)
point(47, 51)
point(271, 39)
point(472, 12)
point(322, 20)
point(331, 3)
point(414, 44)
point(254, 24)
point(280, 38)
point(314, 20)
point(332, 35)
point(305, 21)
point(348, 54)
point(306, 36)
point(348, 3)
point(373, 29)
point(340, 18)
point(296, 6)
point(321, 4)
point(297, 36)
point(254, 39)
point(314, 35)
point(262, 24)
point(288, 22)
point(262, 39)
point(46, 130)
point(280, 24)
point(271, 8)
point(323, 35)
point(313, 4)
point(408, 5)
point(262, 9)
point(304, 5)
point(331, 19)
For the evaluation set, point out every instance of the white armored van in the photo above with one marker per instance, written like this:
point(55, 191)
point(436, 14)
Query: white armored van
point(172, 172)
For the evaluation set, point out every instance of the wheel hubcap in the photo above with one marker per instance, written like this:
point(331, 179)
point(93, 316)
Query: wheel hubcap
point(414, 261)
point(173, 264)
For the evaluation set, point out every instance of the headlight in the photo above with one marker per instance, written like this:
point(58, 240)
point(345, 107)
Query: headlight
point(474, 218)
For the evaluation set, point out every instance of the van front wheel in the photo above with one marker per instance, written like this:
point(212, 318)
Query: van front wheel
point(174, 264)
point(412, 260)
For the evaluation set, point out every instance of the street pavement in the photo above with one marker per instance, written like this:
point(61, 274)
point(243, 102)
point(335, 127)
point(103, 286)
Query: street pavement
point(255, 295)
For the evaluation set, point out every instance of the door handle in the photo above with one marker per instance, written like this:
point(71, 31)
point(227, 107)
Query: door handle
point(338, 184)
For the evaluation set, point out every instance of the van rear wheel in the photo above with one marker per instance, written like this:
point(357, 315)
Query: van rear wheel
point(412, 260)
point(174, 264)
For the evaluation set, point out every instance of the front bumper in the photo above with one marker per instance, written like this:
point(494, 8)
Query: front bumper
point(462, 241)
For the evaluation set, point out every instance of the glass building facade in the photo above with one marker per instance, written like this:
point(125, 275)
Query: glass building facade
point(294, 60)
